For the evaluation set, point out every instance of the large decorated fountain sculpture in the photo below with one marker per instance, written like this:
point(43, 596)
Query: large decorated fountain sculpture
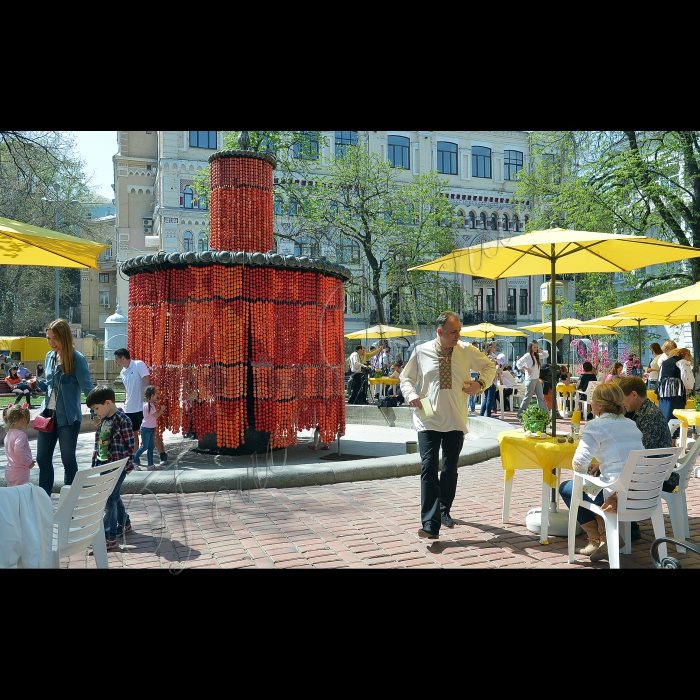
point(244, 344)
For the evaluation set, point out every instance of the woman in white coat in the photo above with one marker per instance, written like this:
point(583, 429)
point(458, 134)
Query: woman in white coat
point(529, 364)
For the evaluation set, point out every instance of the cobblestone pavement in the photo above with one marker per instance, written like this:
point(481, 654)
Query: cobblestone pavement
point(363, 524)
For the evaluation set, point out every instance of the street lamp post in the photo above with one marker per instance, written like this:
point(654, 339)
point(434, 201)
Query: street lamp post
point(56, 188)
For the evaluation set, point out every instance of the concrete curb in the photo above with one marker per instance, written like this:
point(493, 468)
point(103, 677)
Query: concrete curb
point(478, 449)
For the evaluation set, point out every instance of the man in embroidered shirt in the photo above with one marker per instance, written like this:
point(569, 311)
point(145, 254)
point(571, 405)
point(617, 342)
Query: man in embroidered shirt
point(441, 370)
point(651, 423)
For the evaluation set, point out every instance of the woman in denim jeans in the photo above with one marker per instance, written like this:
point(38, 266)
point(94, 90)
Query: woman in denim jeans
point(67, 375)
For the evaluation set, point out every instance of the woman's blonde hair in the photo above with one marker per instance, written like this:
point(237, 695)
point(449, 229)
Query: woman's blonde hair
point(61, 330)
point(610, 398)
point(668, 345)
point(681, 352)
point(14, 414)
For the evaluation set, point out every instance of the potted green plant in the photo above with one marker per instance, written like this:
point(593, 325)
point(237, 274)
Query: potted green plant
point(696, 398)
point(535, 419)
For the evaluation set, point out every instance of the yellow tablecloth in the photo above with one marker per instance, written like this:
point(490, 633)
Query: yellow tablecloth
point(383, 380)
point(521, 452)
point(687, 416)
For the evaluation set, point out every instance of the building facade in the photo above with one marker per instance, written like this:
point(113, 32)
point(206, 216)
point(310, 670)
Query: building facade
point(157, 207)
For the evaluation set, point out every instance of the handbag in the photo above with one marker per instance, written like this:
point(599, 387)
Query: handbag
point(42, 422)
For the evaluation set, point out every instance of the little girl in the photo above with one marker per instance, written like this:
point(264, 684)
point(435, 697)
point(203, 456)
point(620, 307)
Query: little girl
point(19, 455)
point(148, 429)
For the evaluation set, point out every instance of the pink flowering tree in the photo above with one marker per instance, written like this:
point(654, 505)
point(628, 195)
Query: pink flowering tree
point(597, 354)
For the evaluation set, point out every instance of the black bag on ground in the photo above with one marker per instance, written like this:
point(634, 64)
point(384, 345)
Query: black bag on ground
point(388, 402)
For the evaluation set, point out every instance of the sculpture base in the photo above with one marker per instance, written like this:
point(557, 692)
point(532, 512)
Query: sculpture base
point(254, 442)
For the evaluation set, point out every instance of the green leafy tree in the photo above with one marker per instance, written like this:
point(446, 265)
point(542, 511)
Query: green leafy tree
point(628, 182)
point(30, 164)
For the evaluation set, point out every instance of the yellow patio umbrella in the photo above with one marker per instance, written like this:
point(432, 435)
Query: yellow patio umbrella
point(24, 244)
point(558, 250)
point(380, 331)
point(676, 305)
point(488, 329)
point(620, 320)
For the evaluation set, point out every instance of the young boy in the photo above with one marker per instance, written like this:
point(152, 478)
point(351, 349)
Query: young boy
point(114, 440)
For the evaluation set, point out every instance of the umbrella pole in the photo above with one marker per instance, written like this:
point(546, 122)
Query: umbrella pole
point(553, 356)
point(695, 343)
point(639, 335)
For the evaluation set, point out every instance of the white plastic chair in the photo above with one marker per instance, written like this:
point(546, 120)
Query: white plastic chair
point(78, 520)
point(638, 497)
point(589, 395)
point(676, 502)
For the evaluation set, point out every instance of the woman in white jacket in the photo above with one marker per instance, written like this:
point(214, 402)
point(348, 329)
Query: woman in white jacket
point(529, 365)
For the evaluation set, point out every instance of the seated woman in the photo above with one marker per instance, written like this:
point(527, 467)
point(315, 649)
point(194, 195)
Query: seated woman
point(609, 440)
point(38, 383)
point(615, 372)
point(586, 377)
point(17, 385)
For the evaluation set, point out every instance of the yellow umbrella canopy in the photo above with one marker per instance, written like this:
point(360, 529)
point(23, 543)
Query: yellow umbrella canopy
point(24, 244)
point(573, 326)
point(680, 302)
point(570, 251)
point(619, 320)
point(380, 331)
point(487, 329)
point(558, 250)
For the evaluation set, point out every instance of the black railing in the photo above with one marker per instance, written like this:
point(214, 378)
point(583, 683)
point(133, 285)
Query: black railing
point(498, 318)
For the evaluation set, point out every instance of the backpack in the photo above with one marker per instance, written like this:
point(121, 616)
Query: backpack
point(388, 402)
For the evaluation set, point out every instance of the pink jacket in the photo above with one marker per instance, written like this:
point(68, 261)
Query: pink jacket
point(19, 457)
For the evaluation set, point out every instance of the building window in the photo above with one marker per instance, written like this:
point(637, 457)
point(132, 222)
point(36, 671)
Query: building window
point(527, 221)
point(350, 252)
point(202, 201)
point(482, 219)
point(306, 246)
point(447, 158)
point(278, 205)
point(516, 223)
point(202, 242)
point(522, 307)
point(343, 139)
point(478, 299)
point(189, 197)
point(203, 139)
point(493, 223)
point(490, 299)
point(472, 220)
point(481, 161)
point(293, 206)
point(104, 300)
point(512, 291)
point(512, 162)
point(505, 226)
point(104, 277)
point(188, 242)
point(306, 148)
point(399, 152)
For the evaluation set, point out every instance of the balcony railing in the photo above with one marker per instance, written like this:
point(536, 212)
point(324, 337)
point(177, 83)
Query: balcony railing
point(498, 318)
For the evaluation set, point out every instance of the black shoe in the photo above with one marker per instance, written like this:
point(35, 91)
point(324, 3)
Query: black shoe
point(427, 535)
point(163, 457)
point(446, 520)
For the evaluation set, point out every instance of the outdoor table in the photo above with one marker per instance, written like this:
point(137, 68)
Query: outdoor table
point(565, 391)
point(687, 417)
point(383, 382)
point(518, 451)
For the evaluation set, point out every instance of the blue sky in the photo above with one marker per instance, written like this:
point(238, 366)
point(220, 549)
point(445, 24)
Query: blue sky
point(96, 149)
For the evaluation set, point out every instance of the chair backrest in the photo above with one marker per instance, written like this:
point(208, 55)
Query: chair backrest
point(685, 465)
point(641, 480)
point(80, 511)
point(590, 388)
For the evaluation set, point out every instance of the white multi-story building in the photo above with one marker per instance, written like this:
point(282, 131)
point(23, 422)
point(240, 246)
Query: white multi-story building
point(158, 207)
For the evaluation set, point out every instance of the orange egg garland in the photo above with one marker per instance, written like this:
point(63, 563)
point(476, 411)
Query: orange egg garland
point(245, 346)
